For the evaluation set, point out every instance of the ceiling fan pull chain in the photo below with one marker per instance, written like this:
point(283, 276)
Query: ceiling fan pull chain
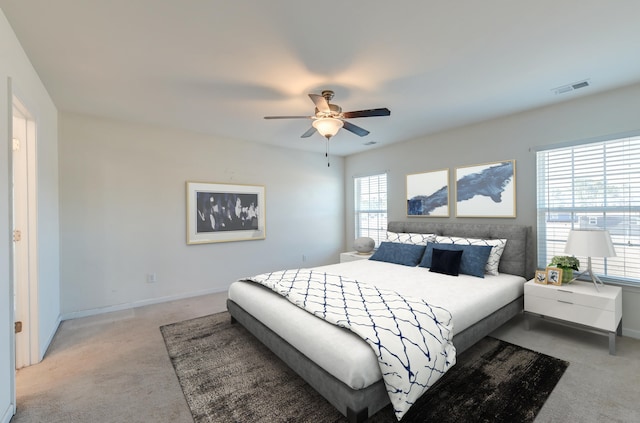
point(327, 153)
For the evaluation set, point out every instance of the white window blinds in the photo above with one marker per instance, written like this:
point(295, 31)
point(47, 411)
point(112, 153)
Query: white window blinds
point(371, 207)
point(592, 186)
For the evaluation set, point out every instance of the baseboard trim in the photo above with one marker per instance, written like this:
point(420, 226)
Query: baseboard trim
point(49, 340)
point(135, 304)
point(631, 333)
point(8, 414)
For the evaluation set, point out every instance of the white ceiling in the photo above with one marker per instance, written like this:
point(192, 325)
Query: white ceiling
point(218, 67)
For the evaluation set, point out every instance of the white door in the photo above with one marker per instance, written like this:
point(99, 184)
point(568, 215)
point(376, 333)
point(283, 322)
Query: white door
point(25, 278)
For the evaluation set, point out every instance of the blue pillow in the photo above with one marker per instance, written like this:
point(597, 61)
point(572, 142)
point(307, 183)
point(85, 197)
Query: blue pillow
point(393, 252)
point(446, 261)
point(474, 259)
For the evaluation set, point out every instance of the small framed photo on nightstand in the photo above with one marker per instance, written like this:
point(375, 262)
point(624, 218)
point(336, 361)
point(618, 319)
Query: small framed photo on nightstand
point(554, 276)
point(541, 277)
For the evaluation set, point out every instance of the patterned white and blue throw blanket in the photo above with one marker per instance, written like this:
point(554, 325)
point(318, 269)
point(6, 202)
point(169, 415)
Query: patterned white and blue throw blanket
point(411, 338)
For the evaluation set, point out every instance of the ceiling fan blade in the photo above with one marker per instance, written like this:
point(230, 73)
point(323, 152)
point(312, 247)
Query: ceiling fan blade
point(309, 132)
point(287, 117)
point(321, 103)
point(355, 129)
point(367, 113)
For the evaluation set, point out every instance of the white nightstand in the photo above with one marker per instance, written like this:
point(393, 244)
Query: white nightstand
point(577, 303)
point(353, 256)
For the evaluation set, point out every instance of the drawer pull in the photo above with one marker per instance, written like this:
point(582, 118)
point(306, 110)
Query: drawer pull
point(564, 290)
point(566, 302)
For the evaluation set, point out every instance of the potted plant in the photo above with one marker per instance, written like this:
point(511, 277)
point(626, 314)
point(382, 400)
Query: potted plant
point(568, 264)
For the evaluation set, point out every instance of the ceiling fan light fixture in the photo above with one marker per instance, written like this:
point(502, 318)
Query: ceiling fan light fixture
point(328, 127)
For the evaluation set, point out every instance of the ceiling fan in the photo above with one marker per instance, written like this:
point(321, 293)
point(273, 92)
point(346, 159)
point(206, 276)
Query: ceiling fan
point(329, 118)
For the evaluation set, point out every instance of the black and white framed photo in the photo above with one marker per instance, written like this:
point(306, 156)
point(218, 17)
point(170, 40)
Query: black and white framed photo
point(224, 212)
point(486, 190)
point(554, 276)
point(541, 277)
point(428, 194)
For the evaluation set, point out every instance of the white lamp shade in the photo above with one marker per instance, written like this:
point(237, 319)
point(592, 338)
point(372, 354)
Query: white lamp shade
point(328, 127)
point(589, 243)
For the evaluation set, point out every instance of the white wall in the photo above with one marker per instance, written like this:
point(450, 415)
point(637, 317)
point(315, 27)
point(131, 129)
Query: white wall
point(512, 137)
point(122, 199)
point(14, 64)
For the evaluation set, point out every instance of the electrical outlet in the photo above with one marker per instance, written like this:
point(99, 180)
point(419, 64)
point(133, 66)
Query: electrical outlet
point(151, 278)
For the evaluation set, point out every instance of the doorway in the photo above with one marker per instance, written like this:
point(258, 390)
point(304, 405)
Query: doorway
point(25, 277)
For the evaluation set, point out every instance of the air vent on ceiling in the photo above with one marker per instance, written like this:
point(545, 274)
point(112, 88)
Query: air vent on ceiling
point(571, 87)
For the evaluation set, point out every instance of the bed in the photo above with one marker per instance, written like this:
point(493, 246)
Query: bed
point(338, 365)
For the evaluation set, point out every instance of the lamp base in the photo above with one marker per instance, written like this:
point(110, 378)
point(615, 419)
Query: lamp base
point(595, 279)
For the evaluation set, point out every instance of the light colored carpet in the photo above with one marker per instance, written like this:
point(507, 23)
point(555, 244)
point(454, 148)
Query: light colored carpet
point(115, 368)
point(110, 368)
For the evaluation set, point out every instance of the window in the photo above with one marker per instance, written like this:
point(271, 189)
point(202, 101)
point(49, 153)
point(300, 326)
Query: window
point(371, 206)
point(592, 186)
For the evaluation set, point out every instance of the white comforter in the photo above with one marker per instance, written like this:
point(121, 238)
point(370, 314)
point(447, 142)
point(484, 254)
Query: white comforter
point(411, 338)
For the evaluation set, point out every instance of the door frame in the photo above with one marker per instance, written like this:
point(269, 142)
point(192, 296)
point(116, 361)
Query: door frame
point(10, 312)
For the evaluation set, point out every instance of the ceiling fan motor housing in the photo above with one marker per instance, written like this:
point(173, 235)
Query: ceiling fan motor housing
point(335, 111)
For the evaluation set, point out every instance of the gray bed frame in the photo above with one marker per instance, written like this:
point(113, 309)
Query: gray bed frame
point(359, 405)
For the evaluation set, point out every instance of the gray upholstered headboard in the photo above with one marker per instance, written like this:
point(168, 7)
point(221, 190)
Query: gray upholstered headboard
point(518, 257)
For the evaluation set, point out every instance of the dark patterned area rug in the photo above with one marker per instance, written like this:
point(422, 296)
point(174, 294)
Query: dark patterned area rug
point(229, 376)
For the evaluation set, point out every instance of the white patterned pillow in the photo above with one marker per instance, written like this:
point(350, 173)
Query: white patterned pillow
point(496, 251)
point(410, 238)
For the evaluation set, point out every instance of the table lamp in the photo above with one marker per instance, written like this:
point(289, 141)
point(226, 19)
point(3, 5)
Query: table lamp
point(590, 243)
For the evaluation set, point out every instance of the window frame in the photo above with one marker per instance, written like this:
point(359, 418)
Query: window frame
point(377, 209)
point(594, 187)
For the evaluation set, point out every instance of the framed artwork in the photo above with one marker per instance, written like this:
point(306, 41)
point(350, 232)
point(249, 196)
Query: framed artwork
point(541, 277)
point(428, 194)
point(224, 212)
point(486, 190)
point(554, 276)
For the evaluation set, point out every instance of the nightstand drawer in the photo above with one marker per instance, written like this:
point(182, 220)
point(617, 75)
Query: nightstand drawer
point(579, 294)
point(571, 312)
